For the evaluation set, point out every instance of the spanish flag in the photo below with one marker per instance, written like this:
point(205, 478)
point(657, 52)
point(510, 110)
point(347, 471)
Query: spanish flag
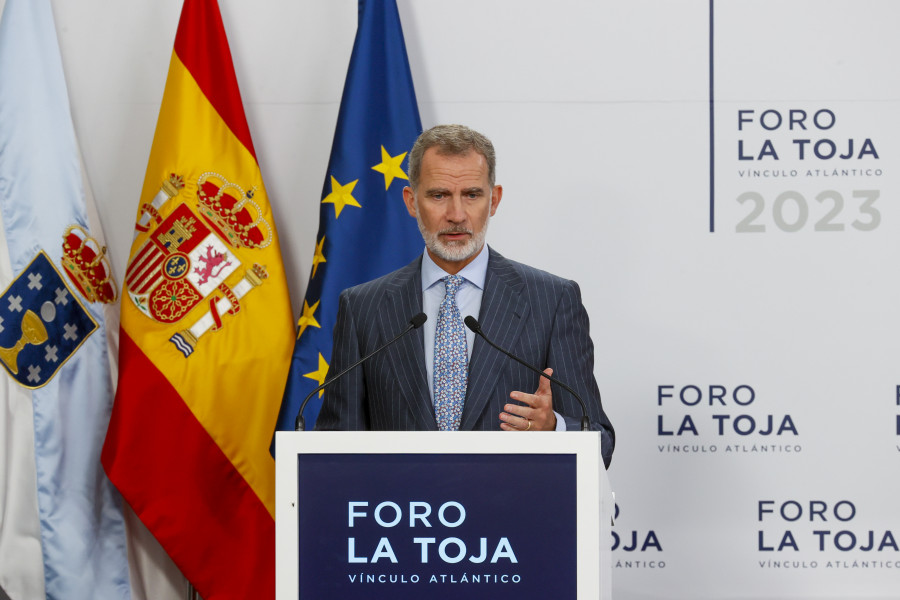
point(206, 331)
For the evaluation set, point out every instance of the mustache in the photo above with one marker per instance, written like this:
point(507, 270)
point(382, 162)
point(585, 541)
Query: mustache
point(458, 229)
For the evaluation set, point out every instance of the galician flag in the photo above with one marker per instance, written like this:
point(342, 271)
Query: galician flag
point(62, 534)
point(206, 331)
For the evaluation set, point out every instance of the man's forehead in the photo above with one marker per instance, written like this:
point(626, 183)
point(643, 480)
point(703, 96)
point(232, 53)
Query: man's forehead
point(469, 164)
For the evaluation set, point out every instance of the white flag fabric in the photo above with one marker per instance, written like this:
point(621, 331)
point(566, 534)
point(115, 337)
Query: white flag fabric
point(62, 535)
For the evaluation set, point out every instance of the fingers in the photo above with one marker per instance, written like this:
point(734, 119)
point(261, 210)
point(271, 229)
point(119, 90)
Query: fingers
point(514, 423)
point(539, 399)
point(515, 417)
point(536, 415)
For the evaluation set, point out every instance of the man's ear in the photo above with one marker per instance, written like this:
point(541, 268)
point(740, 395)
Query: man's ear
point(496, 195)
point(409, 199)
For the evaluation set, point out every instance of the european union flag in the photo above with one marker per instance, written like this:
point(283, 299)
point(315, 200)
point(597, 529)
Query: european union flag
point(364, 228)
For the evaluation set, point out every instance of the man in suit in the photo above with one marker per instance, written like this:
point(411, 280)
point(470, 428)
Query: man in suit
point(443, 376)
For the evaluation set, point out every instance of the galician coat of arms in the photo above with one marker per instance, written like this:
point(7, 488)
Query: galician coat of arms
point(43, 323)
point(187, 257)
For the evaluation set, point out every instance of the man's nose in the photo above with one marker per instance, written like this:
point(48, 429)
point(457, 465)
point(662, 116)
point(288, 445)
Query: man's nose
point(455, 212)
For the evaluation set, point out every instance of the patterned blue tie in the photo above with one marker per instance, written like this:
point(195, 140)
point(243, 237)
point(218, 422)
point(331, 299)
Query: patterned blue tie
point(450, 359)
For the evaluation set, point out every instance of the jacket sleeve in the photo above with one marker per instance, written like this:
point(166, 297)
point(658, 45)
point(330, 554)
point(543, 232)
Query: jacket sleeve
point(571, 355)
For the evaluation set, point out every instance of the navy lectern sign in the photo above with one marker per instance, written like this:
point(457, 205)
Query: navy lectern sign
point(412, 526)
point(411, 515)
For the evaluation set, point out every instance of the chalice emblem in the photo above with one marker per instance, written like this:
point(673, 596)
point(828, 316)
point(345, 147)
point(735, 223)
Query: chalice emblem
point(33, 332)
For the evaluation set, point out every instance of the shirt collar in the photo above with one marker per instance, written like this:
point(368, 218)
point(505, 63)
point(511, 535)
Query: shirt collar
point(475, 272)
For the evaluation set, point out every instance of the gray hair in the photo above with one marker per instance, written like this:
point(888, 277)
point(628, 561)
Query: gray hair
point(450, 140)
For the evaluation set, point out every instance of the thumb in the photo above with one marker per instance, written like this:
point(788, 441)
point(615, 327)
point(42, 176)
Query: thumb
point(544, 385)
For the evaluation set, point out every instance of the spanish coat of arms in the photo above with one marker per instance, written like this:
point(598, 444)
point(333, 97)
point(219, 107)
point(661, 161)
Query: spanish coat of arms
point(186, 257)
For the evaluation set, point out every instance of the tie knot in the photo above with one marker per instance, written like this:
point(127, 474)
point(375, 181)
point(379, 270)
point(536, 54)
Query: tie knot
point(452, 283)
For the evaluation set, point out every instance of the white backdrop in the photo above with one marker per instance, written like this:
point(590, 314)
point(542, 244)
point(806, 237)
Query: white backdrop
point(600, 112)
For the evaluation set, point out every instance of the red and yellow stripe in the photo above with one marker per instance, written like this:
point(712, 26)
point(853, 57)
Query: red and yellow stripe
point(188, 444)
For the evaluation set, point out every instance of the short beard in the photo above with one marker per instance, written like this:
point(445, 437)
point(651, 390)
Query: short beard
point(453, 251)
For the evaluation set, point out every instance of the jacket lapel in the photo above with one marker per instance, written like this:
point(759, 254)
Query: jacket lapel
point(503, 313)
point(403, 300)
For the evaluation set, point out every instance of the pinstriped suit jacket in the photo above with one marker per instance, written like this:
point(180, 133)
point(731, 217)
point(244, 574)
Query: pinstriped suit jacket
point(533, 314)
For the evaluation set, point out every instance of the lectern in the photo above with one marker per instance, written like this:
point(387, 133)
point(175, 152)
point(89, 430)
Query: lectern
point(442, 515)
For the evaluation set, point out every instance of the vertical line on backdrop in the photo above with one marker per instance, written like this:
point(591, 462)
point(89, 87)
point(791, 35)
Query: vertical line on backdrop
point(712, 125)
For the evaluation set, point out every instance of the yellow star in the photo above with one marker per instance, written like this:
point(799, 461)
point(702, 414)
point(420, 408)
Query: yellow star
point(319, 375)
point(308, 319)
point(341, 196)
point(390, 167)
point(318, 257)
